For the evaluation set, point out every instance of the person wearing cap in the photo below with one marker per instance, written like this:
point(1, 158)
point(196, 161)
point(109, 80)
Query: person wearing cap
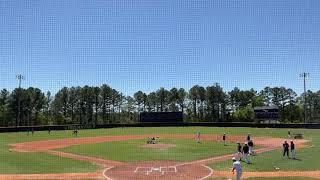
point(239, 151)
point(236, 166)
point(224, 139)
point(293, 150)
point(245, 153)
point(285, 149)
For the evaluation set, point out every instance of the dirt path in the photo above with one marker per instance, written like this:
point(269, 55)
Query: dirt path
point(143, 170)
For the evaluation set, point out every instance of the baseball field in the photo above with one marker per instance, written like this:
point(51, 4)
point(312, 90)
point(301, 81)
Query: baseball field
point(122, 153)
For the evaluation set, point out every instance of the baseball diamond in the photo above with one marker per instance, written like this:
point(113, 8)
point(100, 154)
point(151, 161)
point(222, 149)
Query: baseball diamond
point(188, 159)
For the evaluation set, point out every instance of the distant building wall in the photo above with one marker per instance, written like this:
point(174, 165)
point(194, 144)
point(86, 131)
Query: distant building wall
point(161, 117)
point(265, 114)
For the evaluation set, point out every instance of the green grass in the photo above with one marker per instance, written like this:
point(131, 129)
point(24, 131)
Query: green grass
point(12, 162)
point(131, 150)
point(307, 160)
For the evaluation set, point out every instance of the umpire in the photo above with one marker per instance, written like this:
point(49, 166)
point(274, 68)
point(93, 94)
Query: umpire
point(245, 153)
point(285, 149)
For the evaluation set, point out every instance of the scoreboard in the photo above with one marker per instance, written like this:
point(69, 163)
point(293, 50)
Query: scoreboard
point(266, 113)
point(161, 117)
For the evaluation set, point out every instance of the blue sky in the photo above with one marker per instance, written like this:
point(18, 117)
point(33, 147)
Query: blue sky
point(146, 44)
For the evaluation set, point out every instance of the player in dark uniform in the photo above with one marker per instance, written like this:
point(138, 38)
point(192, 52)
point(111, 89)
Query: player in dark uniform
point(224, 139)
point(285, 149)
point(75, 132)
point(248, 137)
point(245, 153)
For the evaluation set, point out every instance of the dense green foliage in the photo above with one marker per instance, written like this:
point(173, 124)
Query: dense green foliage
point(102, 105)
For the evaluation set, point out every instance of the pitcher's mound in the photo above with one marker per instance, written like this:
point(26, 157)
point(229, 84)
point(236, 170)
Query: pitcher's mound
point(159, 146)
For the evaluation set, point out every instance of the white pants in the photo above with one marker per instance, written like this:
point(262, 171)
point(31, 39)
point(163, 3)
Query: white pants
point(246, 158)
point(293, 154)
point(250, 150)
point(239, 155)
point(239, 173)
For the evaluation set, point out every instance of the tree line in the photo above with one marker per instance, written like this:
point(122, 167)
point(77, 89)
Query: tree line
point(102, 105)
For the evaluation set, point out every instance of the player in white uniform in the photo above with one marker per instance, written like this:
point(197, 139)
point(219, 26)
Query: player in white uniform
point(198, 137)
point(236, 166)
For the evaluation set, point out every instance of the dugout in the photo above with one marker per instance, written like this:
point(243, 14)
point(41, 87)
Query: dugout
point(161, 117)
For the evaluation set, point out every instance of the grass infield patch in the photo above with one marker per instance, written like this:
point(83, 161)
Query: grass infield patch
point(132, 150)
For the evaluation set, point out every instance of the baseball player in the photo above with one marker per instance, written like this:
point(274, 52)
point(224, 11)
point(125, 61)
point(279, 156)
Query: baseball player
point(236, 166)
point(285, 149)
point(198, 137)
point(250, 144)
point(293, 150)
point(289, 134)
point(224, 139)
point(245, 153)
point(239, 151)
point(248, 137)
point(75, 132)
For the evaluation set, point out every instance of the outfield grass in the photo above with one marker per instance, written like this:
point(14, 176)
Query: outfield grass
point(12, 162)
point(132, 150)
point(307, 160)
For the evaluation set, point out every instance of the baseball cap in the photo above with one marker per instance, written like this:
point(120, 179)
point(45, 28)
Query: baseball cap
point(234, 159)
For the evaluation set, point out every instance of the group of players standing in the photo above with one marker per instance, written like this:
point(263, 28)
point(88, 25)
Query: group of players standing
point(244, 152)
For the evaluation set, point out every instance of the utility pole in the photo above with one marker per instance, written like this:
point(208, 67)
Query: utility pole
point(20, 78)
point(304, 76)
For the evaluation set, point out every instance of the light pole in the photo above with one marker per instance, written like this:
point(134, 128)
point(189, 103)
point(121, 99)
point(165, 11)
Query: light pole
point(304, 76)
point(20, 78)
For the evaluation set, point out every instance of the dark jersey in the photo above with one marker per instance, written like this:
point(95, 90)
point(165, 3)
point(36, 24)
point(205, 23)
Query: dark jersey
point(292, 146)
point(224, 137)
point(250, 144)
point(245, 149)
point(248, 138)
point(286, 146)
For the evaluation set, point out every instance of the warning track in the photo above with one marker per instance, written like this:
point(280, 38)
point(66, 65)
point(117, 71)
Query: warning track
point(119, 170)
